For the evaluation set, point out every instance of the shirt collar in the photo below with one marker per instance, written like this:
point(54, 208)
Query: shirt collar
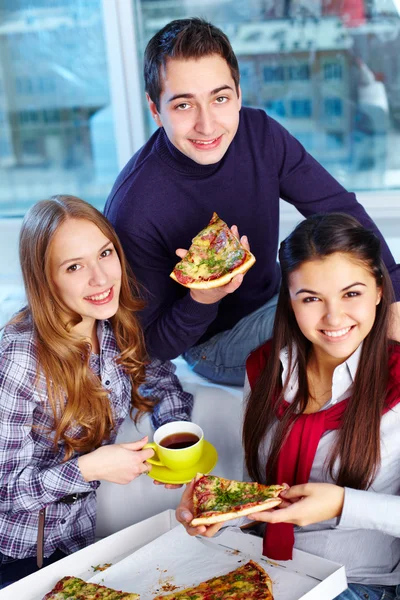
point(107, 342)
point(342, 381)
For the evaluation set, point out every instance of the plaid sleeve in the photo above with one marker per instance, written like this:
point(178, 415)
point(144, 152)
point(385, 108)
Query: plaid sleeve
point(30, 477)
point(163, 385)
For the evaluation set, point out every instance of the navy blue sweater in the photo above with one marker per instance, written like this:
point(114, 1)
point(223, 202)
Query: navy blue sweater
point(162, 199)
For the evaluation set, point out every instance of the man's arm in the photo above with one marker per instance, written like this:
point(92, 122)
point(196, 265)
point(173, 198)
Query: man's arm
point(172, 320)
point(175, 317)
point(311, 189)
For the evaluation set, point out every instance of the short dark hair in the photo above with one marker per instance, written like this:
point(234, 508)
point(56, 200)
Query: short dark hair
point(185, 38)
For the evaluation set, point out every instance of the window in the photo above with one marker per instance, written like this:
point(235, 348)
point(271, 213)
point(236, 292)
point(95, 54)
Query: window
point(298, 72)
point(300, 108)
point(325, 62)
point(332, 70)
point(275, 108)
point(273, 74)
point(57, 131)
point(23, 86)
point(333, 107)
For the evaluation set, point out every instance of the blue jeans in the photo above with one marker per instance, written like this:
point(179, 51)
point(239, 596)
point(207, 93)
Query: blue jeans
point(357, 591)
point(222, 358)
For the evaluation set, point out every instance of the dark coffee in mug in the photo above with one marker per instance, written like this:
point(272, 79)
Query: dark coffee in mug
point(177, 441)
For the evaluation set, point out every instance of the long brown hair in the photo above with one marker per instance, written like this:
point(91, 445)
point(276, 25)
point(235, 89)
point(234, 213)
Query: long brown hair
point(63, 358)
point(358, 441)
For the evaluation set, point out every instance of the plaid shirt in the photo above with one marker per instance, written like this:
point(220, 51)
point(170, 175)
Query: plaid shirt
point(32, 475)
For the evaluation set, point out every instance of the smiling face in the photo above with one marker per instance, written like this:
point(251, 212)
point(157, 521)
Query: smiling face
point(199, 107)
point(334, 301)
point(86, 272)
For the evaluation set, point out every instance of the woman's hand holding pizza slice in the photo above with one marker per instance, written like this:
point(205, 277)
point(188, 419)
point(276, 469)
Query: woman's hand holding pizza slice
point(305, 504)
point(184, 514)
point(209, 501)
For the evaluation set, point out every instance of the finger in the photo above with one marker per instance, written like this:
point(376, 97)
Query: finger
point(245, 242)
point(183, 515)
point(296, 491)
point(233, 285)
point(212, 530)
point(168, 486)
point(188, 492)
point(143, 455)
point(200, 530)
point(285, 504)
point(284, 515)
point(135, 445)
point(181, 252)
point(144, 469)
point(235, 231)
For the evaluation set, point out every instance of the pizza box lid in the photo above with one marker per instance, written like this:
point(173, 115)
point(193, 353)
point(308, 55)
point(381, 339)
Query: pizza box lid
point(153, 556)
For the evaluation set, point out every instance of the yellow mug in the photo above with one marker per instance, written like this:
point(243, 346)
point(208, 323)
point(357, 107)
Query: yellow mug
point(177, 445)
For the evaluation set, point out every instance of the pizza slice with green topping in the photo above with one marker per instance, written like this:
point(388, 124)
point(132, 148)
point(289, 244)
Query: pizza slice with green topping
point(215, 256)
point(73, 588)
point(248, 582)
point(216, 499)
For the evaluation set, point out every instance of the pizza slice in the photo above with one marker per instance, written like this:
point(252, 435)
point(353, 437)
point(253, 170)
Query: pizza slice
point(216, 499)
point(73, 588)
point(249, 581)
point(215, 256)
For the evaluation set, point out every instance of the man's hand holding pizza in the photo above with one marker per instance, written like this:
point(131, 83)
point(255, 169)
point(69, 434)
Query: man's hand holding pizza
point(224, 243)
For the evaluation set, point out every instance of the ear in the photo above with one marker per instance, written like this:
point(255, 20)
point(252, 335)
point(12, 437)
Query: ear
point(378, 295)
point(240, 96)
point(153, 110)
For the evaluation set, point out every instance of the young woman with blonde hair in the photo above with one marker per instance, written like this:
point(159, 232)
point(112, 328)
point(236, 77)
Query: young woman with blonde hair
point(71, 366)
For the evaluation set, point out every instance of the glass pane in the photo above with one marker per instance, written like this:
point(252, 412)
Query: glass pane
point(329, 71)
point(56, 125)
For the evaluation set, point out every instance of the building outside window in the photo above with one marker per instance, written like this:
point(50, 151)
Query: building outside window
point(329, 71)
point(333, 107)
point(332, 70)
point(57, 133)
point(301, 108)
point(334, 66)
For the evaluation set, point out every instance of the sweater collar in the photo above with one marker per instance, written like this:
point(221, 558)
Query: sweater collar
point(180, 162)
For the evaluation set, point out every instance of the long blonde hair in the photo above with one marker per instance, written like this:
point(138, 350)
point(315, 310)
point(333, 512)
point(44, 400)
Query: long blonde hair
point(75, 394)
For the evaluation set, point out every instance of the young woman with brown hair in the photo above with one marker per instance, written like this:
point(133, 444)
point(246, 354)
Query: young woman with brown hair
point(71, 365)
point(323, 408)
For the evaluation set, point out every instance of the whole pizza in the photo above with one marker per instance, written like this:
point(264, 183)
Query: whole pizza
point(215, 256)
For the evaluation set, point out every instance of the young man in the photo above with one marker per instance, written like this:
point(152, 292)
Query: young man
point(211, 154)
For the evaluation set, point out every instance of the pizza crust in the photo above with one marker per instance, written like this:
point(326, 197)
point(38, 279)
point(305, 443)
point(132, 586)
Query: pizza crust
point(220, 518)
point(220, 281)
point(266, 578)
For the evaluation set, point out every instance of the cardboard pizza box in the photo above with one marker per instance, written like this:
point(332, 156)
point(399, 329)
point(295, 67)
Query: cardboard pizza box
point(155, 556)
